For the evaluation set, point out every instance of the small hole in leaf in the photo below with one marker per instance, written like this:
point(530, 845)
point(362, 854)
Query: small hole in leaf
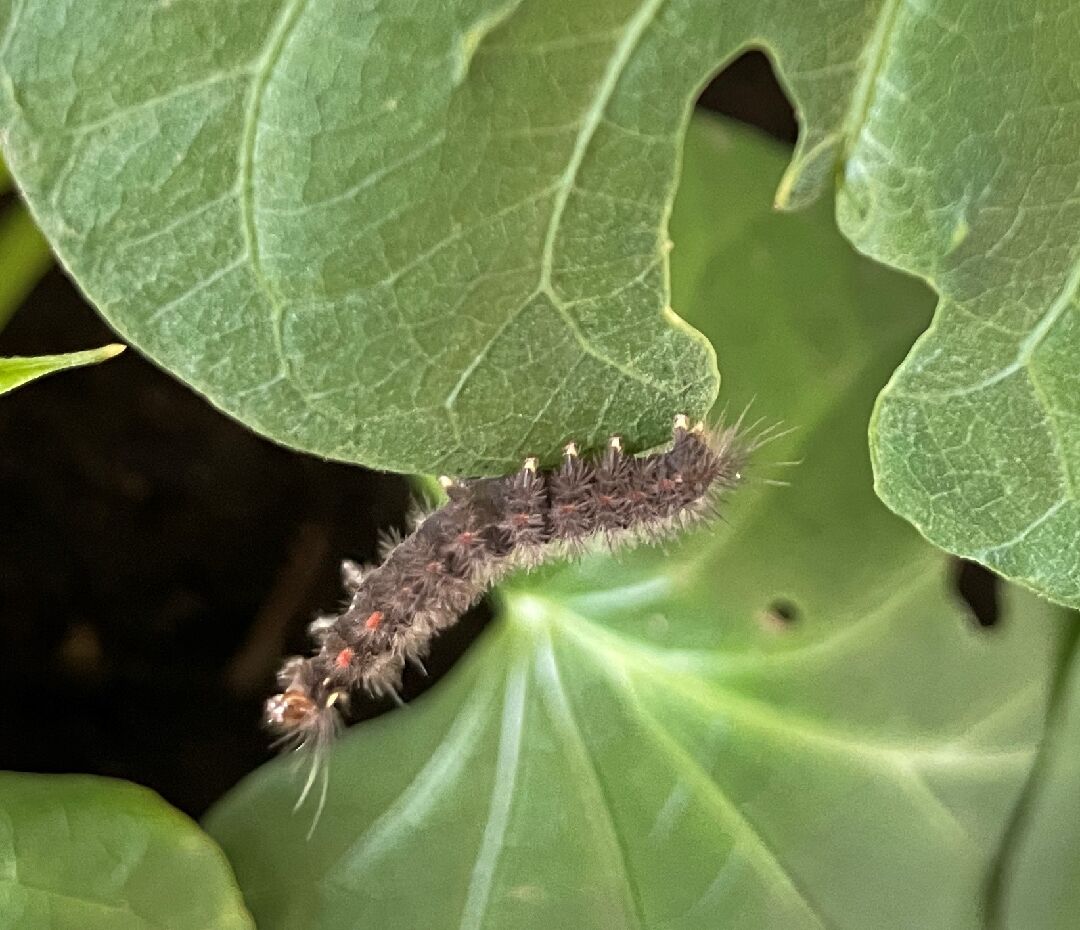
point(980, 589)
point(779, 615)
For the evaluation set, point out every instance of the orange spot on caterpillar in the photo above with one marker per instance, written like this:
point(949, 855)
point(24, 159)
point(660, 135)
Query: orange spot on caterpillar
point(343, 658)
point(373, 620)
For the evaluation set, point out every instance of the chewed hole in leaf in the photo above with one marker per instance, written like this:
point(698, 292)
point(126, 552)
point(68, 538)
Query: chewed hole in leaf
point(747, 89)
point(980, 589)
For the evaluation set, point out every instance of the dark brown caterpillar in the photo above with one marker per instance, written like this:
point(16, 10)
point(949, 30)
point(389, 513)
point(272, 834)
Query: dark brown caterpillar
point(488, 527)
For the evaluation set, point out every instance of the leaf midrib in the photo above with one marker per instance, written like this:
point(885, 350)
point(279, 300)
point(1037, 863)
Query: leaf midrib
point(508, 761)
point(572, 734)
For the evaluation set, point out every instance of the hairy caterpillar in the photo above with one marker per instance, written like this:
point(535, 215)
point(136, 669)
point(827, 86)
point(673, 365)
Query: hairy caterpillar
point(488, 527)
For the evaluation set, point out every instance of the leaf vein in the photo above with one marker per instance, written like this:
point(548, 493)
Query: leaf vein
point(564, 709)
point(502, 796)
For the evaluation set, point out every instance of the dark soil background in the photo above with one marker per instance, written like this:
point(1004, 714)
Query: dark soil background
point(158, 559)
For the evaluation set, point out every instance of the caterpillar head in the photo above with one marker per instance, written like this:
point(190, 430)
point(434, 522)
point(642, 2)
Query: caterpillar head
point(306, 712)
point(296, 716)
point(306, 722)
point(290, 711)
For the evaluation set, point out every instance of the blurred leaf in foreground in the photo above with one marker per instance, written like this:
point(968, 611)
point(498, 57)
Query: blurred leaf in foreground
point(84, 853)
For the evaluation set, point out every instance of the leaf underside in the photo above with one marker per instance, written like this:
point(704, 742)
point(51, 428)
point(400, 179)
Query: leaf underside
point(965, 171)
point(724, 735)
point(432, 238)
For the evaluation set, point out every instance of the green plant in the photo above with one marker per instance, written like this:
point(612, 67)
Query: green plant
point(449, 265)
point(92, 852)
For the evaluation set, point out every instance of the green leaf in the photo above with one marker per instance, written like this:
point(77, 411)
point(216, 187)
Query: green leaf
point(433, 238)
point(83, 853)
point(15, 372)
point(423, 239)
point(964, 171)
point(1036, 885)
point(645, 742)
point(24, 258)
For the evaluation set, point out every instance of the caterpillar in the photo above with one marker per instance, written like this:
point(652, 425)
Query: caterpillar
point(487, 528)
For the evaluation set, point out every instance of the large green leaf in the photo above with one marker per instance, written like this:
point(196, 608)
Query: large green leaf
point(432, 237)
point(15, 372)
point(646, 742)
point(82, 853)
point(965, 171)
point(425, 237)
